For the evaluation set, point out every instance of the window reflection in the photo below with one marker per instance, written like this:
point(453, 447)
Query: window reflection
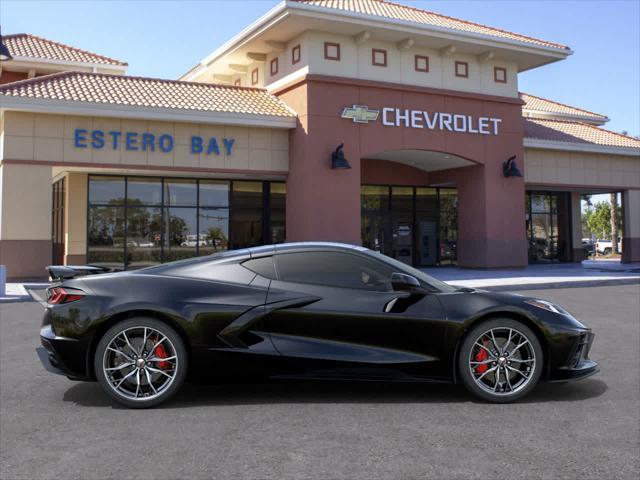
point(246, 216)
point(105, 240)
point(144, 191)
point(448, 234)
point(139, 221)
point(214, 193)
point(180, 233)
point(375, 226)
point(180, 193)
point(144, 235)
point(214, 230)
point(106, 190)
point(277, 201)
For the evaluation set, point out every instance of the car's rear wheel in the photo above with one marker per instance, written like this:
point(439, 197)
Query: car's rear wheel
point(500, 360)
point(140, 362)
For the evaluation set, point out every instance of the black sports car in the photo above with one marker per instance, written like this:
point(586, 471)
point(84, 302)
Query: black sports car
point(305, 311)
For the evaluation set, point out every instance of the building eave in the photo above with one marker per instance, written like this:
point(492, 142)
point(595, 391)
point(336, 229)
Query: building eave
point(581, 147)
point(529, 113)
point(301, 7)
point(287, 7)
point(48, 62)
point(66, 107)
point(273, 15)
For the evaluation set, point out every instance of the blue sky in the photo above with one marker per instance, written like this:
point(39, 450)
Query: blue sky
point(166, 38)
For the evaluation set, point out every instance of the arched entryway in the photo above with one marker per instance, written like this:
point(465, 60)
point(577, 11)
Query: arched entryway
point(404, 214)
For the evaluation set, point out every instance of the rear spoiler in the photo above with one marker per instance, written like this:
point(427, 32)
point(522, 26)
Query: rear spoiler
point(59, 273)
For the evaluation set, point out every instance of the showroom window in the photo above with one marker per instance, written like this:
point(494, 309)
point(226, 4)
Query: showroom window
point(133, 222)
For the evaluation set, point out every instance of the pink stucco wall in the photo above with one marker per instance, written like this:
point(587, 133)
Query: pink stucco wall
point(324, 204)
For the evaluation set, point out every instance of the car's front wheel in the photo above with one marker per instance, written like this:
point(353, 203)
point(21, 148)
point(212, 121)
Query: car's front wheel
point(500, 360)
point(140, 362)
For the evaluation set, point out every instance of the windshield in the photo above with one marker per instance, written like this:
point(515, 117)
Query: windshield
point(420, 275)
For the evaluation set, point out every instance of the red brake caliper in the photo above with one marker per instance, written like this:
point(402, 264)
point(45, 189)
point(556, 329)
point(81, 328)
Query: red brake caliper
point(160, 352)
point(481, 356)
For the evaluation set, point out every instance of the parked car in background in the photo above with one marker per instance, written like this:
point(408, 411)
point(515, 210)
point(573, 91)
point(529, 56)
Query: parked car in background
point(588, 246)
point(605, 247)
point(193, 240)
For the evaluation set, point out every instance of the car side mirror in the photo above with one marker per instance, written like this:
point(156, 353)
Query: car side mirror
point(402, 282)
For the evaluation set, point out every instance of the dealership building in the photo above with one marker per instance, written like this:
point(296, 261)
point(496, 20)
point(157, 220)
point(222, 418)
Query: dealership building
point(365, 122)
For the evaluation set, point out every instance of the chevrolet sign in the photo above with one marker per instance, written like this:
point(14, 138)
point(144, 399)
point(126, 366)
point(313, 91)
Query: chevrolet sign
point(397, 117)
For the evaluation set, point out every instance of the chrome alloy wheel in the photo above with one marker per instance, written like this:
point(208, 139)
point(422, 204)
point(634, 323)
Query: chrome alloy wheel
point(502, 361)
point(140, 363)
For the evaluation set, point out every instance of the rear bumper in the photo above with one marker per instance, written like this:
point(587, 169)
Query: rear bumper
point(578, 365)
point(48, 361)
point(61, 355)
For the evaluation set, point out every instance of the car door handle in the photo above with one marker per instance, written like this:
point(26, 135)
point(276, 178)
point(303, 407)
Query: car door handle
point(388, 307)
point(402, 303)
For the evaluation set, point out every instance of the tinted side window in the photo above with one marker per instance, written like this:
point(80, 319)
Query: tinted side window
point(262, 266)
point(230, 272)
point(334, 269)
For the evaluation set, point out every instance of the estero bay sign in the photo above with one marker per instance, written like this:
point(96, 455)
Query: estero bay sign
point(403, 117)
point(136, 141)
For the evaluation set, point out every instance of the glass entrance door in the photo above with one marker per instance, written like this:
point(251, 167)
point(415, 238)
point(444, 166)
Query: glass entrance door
point(416, 225)
point(548, 229)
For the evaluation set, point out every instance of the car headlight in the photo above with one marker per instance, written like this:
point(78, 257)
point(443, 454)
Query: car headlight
point(544, 305)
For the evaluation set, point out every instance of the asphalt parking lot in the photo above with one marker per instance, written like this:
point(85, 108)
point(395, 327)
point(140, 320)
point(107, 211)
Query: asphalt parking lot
point(54, 428)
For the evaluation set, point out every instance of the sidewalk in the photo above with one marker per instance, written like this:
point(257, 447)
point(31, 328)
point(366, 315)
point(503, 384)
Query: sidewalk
point(19, 292)
point(549, 276)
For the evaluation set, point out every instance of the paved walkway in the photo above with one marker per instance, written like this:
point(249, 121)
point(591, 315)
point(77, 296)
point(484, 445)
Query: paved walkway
point(19, 292)
point(570, 274)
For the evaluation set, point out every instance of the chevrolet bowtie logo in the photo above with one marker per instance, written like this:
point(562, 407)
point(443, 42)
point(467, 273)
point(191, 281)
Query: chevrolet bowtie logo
point(360, 114)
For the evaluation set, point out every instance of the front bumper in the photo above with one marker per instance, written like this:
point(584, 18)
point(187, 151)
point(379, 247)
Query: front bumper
point(578, 364)
point(62, 355)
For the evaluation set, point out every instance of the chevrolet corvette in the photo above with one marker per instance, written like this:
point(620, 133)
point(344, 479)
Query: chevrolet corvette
point(321, 311)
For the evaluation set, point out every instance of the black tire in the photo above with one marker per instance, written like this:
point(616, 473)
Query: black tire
point(176, 343)
point(607, 251)
point(466, 350)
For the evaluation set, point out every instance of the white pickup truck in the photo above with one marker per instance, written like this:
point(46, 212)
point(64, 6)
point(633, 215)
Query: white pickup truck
point(605, 247)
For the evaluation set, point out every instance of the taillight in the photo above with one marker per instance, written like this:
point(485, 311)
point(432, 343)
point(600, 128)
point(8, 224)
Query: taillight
point(58, 295)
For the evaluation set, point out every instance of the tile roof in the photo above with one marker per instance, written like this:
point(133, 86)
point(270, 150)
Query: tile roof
point(545, 105)
point(103, 88)
point(575, 132)
point(31, 46)
point(395, 11)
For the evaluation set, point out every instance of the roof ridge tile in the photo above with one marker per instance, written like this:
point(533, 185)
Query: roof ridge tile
point(476, 24)
point(442, 16)
point(104, 88)
point(548, 123)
